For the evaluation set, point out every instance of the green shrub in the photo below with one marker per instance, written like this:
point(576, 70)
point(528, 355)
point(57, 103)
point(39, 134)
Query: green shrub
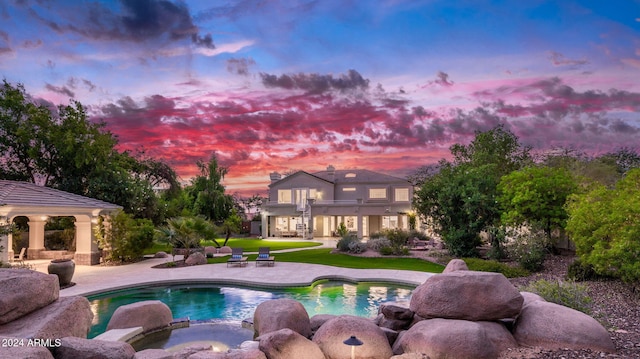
point(342, 230)
point(60, 239)
point(398, 239)
point(484, 265)
point(567, 293)
point(580, 271)
point(420, 235)
point(357, 247)
point(376, 244)
point(344, 242)
point(529, 250)
point(126, 238)
point(603, 223)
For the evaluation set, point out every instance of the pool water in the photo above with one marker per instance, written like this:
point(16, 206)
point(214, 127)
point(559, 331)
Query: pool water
point(202, 302)
point(219, 335)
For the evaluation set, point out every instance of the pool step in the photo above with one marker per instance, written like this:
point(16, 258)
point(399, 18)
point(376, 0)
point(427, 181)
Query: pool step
point(120, 335)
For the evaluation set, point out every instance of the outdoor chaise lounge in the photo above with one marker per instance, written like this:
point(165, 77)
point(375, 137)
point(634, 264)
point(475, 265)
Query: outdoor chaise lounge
point(20, 258)
point(237, 257)
point(265, 257)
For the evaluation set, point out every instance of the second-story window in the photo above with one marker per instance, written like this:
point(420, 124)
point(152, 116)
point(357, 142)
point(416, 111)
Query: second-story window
point(402, 194)
point(377, 193)
point(284, 196)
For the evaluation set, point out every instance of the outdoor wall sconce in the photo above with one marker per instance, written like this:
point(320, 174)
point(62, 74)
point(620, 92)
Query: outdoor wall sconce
point(44, 218)
point(353, 342)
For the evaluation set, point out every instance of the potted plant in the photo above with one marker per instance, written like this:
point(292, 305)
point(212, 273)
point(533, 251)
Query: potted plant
point(64, 269)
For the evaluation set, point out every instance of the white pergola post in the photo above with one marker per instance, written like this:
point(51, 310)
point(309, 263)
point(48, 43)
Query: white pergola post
point(86, 247)
point(6, 242)
point(36, 235)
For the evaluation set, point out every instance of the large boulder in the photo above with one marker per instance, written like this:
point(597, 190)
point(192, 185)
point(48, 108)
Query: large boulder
point(319, 319)
point(331, 336)
point(245, 354)
point(499, 335)
point(153, 354)
point(196, 258)
point(396, 310)
point(276, 314)
point(410, 356)
point(24, 291)
point(447, 338)
point(74, 348)
point(148, 314)
point(287, 344)
point(467, 295)
point(394, 316)
point(231, 354)
point(552, 326)
point(66, 317)
point(530, 297)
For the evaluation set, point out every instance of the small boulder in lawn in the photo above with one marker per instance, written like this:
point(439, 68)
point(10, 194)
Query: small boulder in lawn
point(196, 258)
point(455, 265)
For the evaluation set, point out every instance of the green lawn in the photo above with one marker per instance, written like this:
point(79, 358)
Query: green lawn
point(249, 245)
point(323, 256)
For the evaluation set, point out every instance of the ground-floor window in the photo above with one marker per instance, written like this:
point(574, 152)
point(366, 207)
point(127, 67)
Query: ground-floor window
point(389, 222)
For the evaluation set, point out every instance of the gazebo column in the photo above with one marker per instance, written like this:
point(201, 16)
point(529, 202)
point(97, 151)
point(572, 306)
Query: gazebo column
point(86, 247)
point(36, 236)
point(6, 255)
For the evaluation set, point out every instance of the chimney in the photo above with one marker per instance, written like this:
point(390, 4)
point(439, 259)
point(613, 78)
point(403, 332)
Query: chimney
point(331, 172)
point(275, 177)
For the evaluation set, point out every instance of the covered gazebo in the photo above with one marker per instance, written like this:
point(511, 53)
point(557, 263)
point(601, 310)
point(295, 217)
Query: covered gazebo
point(38, 203)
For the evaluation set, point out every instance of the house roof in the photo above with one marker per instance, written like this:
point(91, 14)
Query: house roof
point(357, 176)
point(14, 193)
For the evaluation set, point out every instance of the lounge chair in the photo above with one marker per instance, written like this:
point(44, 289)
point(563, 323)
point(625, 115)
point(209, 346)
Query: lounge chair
point(265, 257)
point(20, 258)
point(237, 257)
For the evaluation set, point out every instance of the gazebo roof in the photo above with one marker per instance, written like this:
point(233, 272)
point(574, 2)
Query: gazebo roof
point(14, 194)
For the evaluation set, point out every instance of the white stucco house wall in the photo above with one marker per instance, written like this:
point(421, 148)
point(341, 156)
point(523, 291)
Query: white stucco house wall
point(314, 204)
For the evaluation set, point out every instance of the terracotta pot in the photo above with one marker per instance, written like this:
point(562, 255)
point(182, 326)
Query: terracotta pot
point(64, 269)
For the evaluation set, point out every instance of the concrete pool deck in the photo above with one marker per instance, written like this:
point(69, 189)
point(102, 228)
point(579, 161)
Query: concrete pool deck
point(95, 279)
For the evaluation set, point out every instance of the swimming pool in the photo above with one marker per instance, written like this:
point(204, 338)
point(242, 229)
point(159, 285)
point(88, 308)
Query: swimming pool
point(202, 302)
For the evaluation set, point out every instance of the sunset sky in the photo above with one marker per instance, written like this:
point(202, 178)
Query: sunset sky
point(299, 85)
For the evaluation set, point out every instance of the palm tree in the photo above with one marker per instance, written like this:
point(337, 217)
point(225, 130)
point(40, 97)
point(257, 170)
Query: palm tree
point(186, 232)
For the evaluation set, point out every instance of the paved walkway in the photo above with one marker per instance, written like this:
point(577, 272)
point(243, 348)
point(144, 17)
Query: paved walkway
point(95, 279)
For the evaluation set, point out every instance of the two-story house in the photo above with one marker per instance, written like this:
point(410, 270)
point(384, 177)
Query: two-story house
point(314, 204)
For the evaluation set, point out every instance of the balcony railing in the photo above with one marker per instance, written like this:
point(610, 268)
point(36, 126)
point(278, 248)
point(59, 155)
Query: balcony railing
point(318, 202)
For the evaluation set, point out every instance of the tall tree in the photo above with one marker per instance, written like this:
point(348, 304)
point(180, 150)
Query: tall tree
point(208, 191)
point(536, 196)
point(497, 146)
point(61, 148)
point(461, 200)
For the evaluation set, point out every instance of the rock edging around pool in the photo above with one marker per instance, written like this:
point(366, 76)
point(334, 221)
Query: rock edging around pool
point(458, 313)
